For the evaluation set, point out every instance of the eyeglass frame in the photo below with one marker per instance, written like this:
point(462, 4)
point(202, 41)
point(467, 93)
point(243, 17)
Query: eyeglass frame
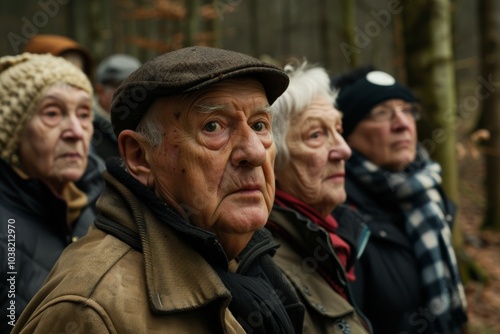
point(414, 112)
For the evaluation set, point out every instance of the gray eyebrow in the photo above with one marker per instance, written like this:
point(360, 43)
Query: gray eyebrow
point(206, 109)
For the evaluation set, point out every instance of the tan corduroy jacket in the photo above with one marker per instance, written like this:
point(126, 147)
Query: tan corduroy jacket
point(102, 285)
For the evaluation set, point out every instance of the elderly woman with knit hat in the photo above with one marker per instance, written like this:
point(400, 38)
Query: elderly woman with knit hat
point(409, 262)
point(48, 182)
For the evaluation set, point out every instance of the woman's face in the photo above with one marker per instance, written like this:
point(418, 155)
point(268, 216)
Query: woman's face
point(55, 142)
point(315, 172)
point(388, 136)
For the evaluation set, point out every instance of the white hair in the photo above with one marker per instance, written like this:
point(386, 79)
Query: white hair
point(306, 83)
point(150, 127)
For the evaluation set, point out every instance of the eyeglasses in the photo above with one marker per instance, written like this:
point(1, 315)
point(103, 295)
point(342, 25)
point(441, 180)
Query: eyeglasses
point(384, 114)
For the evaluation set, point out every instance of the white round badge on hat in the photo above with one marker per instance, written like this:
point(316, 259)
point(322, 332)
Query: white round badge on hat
point(380, 78)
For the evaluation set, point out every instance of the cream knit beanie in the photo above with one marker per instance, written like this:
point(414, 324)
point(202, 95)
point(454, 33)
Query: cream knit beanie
point(23, 79)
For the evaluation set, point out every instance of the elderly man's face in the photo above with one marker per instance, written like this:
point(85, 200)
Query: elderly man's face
point(216, 159)
point(55, 142)
point(315, 172)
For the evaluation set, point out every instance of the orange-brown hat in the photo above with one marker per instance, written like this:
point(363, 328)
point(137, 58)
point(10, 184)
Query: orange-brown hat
point(57, 46)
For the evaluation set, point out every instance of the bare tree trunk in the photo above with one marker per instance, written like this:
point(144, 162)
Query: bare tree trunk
point(193, 22)
point(130, 27)
point(490, 116)
point(348, 46)
point(253, 27)
point(399, 45)
point(94, 29)
point(216, 27)
point(324, 28)
point(287, 25)
point(429, 60)
point(79, 20)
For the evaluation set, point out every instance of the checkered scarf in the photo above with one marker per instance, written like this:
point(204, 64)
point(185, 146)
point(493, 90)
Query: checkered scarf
point(415, 191)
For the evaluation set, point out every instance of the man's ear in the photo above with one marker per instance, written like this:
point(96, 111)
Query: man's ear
point(136, 153)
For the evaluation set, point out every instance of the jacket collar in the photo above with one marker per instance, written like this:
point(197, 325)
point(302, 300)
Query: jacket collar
point(351, 228)
point(33, 195)
point(303, 233)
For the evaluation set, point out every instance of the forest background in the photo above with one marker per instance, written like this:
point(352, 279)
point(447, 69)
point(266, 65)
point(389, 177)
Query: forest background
point(445, 50)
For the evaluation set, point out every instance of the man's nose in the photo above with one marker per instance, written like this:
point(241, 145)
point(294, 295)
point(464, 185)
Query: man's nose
point(248, 148)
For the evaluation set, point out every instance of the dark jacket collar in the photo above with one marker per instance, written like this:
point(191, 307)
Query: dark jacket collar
point(34, 196)
point(305, 232)
point(28, 194)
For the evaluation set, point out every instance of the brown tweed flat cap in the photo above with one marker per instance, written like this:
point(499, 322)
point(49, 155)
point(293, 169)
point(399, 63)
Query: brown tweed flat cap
point(187, 70)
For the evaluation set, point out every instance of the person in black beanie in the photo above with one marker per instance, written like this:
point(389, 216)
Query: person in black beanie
point(409, 262)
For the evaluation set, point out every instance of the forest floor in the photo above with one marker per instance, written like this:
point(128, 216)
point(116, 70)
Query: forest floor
point(482, 246)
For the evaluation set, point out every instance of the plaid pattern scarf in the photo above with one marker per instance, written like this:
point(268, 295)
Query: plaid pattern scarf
point(415, 191)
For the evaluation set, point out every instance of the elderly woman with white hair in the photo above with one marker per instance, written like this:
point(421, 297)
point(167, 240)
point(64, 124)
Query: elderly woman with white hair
point(49, 184)
point(317, 252)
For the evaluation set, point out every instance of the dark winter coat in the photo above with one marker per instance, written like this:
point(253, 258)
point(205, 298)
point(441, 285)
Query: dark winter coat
point(39, 232)
point(387, 286)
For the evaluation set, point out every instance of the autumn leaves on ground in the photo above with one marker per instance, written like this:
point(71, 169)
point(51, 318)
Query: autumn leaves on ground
point(482, 246)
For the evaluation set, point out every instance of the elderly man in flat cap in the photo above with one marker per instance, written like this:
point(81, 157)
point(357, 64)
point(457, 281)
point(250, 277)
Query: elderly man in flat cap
point(178, 246)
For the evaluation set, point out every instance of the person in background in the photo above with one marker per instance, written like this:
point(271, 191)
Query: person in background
point(49, 183)
point(109, 75)
point(407, 279)
point(317, 252)
point(64, 47)
point(179, 244)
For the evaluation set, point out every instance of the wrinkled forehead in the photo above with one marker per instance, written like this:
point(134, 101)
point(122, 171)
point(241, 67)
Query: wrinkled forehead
point(62, 91)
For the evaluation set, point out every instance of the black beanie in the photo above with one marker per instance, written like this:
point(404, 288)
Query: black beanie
point(357, 99)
